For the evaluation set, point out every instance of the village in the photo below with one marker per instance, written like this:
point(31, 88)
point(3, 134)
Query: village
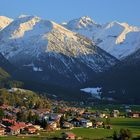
point(14, 123)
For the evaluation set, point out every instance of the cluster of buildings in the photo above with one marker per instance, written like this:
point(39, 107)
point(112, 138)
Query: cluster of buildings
point(11, 127)
point(50, 120)
point(53, 121)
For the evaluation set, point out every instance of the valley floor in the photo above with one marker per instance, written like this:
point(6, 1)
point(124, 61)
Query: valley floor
point(132, 124)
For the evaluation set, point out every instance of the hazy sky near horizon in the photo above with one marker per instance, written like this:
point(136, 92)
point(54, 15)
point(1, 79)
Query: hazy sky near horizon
point(101, 11)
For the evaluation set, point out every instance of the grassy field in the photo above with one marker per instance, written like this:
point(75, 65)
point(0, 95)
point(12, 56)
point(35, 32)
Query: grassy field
point(20, 138)
point(117, 124)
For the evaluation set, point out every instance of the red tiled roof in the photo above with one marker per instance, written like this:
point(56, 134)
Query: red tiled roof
point(30, 128)
point(14, 128)
point(8, 120)
point(20, 124)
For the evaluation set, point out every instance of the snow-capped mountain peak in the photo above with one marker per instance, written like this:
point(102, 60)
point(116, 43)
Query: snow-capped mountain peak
point(120, 30)
point(113, 38)
point(25, 26)
point(111, 24)
point(4, 21)
point(86, 21)
point(127, 29)
point(81, 23)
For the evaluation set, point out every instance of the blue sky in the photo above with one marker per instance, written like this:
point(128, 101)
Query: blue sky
point(101, 11)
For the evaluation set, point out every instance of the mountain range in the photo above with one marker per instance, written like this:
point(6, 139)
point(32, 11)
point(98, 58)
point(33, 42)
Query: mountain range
point(52, 52)
point(118, 39)
point(73, 54)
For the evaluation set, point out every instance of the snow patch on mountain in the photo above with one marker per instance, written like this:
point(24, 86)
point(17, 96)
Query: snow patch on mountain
point(37, 69)
point(34, 68)
point(95, 92)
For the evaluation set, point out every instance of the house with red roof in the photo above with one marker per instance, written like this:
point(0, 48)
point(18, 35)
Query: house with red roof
point(21, 125)
point(14, 130)
point(31, 130)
